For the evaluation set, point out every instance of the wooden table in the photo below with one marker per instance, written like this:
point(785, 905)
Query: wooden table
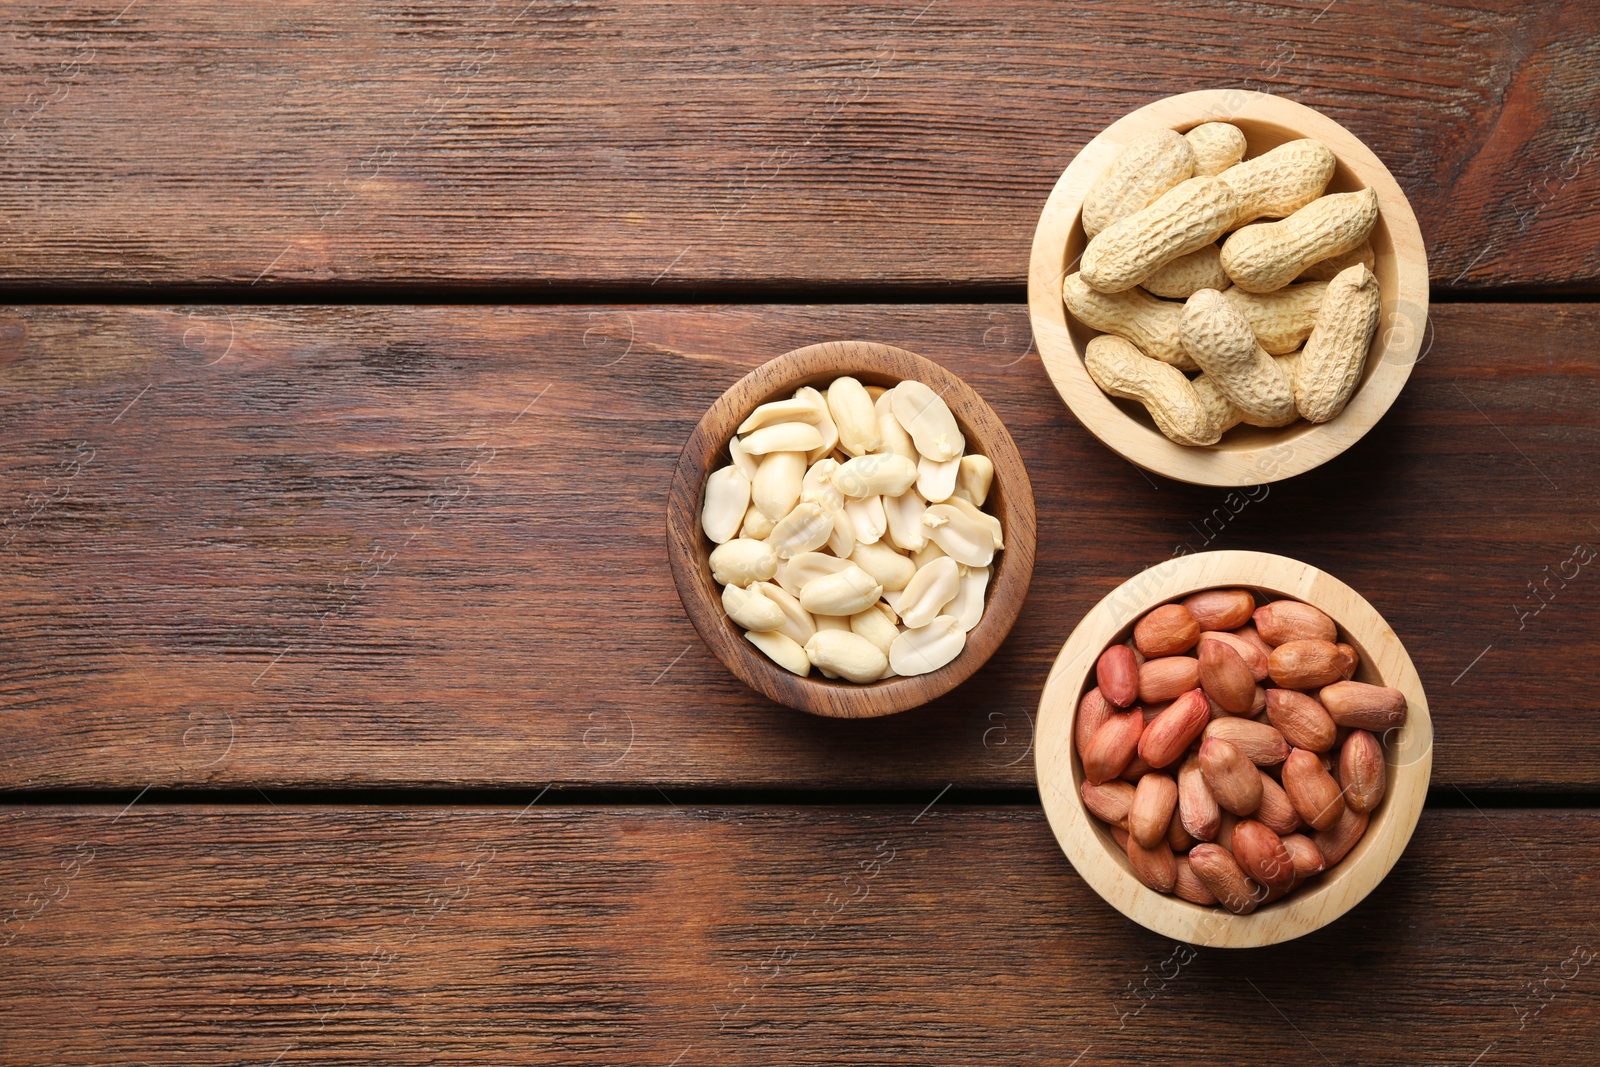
point(346, 706)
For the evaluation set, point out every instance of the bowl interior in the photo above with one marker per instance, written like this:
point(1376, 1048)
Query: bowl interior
point(1010, 500)
point(1090, 846)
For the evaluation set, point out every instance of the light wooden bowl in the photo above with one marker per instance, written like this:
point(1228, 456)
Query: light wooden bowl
point(1095, 855)
point(689, 552)
point(1246, 455)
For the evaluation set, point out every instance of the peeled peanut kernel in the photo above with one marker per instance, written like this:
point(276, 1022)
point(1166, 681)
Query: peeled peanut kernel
point(987, 521)
point(804, 529)
point(927, 648)
point(847, 654)
point(892, 437)
point(781, 649)
point(756, 525)
point(726, 498)
point(808, 566)
point(780, 411)
point(904, 514)
point(852, 413)
point(750, 609)
point(742, 561)
point(888, 568)
point(973, 479)
point(867, 519)
point(967, 607)
point(929, 590)
point(776, 487)
point(928, 420)
point(825, 426)
point(798, 624)
point(961, 537)
point(842, 538)
point(926, 555)
point(879, 474)
point(782, 437)
point(875, 626)
point(817, 485)
point(743, 460)
point(845, 593)
point(936, 481)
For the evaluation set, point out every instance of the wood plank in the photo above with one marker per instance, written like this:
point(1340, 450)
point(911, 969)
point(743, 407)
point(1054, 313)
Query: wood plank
point(201, 142)
point(410, 546)
point(751, 935)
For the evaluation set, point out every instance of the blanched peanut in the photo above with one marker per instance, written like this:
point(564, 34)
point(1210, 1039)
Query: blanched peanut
point(781, 649)
point(928, 420)
point(845, 593)
point(797, 621)
point(889, 568)
point(958, 535)
point(928, 591)
point(927, 648)
point(776, 488)
point(867, 519)
point(847, 654)
point(936, 481)
point(884, 474)
point(780, 411)
point(804, 529)
point(742, 561)
point(782, 437)
point(726, 498)
point(967, 607)
point(973, 479)
point(904, 515)
point(852, 413)
point(750, 609)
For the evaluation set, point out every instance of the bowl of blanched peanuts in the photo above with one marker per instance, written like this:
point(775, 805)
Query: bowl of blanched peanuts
point(851, 529)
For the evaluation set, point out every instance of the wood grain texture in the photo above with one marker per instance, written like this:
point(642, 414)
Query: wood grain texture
point(308, 546)
point(750, 935)
point(574, 142)
point(688, 550)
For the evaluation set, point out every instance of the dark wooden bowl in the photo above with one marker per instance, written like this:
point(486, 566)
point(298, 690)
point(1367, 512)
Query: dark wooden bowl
point(689, 552)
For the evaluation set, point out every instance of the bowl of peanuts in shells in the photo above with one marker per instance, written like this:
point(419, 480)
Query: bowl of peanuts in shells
point(1228, 288)
point(1233, 748)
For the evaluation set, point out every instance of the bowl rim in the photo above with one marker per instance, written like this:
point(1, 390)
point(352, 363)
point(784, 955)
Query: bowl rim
point(1403, 320)
point(688, 551)
point(1409, 756)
